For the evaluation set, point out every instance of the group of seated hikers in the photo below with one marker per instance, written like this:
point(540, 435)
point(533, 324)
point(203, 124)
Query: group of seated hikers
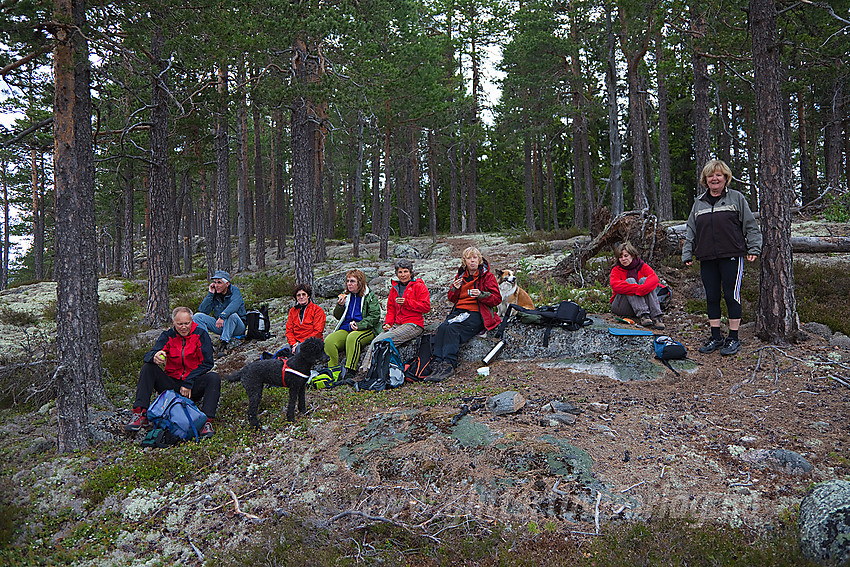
point(721, 233)
point(182, 357)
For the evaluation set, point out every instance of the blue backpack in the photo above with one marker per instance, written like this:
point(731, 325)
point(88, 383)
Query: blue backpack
point(667, 349)
point(178, 414)
point(386, 370)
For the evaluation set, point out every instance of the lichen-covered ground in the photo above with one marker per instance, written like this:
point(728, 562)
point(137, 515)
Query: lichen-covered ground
point(429, 459)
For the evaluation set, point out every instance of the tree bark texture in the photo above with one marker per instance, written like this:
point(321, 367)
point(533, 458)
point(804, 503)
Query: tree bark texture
point(386, 193)
point(777, 307)
point(528, 183)
point(37, 217)
point(77, 322)
point(222, 189)
point(127, 176)
point(243, 199)
point(665, 185)
point(432, 186)
point(615, 176)
point(159, 233)
point(454, 225)
point(260, 205)
point(702, 118)
point(357, 221)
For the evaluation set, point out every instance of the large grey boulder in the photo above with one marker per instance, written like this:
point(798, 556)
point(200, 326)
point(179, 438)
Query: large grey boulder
point(333, 285)
point(781, 460)
point(406, 251)
point(824, 522)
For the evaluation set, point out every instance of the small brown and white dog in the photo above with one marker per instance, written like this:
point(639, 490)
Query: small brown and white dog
point(511, 292)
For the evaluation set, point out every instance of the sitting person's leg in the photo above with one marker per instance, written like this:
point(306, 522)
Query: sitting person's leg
point(355, 343)
point(451, 335)
point(400, 334)
point(233, 327)
point(207, 390)
point(334, 343)
point(151, 377)
point(206, 322)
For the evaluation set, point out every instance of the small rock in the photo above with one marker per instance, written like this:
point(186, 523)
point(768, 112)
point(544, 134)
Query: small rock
point(781, 460)
point(840, 340)
point(406, 251)
point(38, 446)
point(371, 238)
point(824, 522)
point(45, 408)
point(564, 407)
point(749, 440)
point(818, 329)
point(562, 418)
point(598, 407)
point(505, 403)
point(821, 426)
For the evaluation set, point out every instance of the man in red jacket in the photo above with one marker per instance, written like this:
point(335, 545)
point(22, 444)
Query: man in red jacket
point(409, 301)
point(180, 360)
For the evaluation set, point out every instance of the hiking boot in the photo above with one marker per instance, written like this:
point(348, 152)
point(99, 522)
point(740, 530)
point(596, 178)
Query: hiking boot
point(206, 430)
point(442, 371)
point(657, 323)
point(140, 419)
point(730, 346)
point(711, 345)
point(222, 348)
point(646, 321)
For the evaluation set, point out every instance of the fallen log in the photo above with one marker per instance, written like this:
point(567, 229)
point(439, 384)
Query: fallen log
point(638, 227)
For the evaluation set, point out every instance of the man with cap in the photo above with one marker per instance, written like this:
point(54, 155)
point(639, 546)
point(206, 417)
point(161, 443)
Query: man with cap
point(222, 311)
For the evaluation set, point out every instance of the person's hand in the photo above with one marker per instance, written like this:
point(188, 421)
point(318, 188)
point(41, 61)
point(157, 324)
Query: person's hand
point(399, 300)
point(184, 391)
point(159, 358)
point(212, 288)
point(474, 292)
point(689, 263)
point(340, 299)
point(219, 323)
point(353, 325)
point(457, 283)
point(751, 257)
point(387, 326)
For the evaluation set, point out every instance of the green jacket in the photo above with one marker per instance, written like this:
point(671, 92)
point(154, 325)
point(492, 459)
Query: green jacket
point(371, 310)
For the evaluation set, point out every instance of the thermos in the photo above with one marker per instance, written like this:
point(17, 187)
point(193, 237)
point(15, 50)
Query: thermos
point(493, 353)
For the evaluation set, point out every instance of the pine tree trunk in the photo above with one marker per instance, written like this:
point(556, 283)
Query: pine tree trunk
point(78, 376)
point(454, 225)
point(808, 188)
point(243, 200)
point(4, 249)
point(376, 189)
point(127, 176)
point(357, 221)
point(528, 184)
point(637, 126)
point(615, 176)
point(260, 206)
point(37, 218)
point(550, 187)
point(777, 308)
point(579, 220)
point(832, 136)
point(302, 194)
point(186, 225)
point(432, 186)
point(414, 200)
point(702, 119)
point(386, 194)
point(318, 173)
point(665, 185)
point(222, 169)
point(159, 231)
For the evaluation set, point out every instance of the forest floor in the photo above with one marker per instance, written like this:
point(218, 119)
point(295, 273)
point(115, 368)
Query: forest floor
point(427, 461)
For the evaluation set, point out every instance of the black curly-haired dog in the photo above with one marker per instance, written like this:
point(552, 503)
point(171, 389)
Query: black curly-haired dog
point(272, 372)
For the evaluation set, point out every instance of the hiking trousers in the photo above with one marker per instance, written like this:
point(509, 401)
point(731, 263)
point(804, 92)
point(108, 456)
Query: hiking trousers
point(636, 305)
point(400, 334)
point(207, 387)
point(722, 274)
point(354, 343)
point(450, 335)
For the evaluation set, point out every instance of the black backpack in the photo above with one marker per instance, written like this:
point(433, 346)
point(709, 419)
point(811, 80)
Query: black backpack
point(419, 365)
point(386, 370)
point(257, 323)
point(567, 314)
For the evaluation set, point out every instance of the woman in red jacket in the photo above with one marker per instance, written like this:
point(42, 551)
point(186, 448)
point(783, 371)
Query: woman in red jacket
point(305, 319)
point(634, 283)
point(475, 294)
point(409, 301)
